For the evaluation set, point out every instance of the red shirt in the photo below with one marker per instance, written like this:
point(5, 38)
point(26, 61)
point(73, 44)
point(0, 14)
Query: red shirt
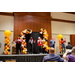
point(62, 42)
point(40, 43)
point(18, 41)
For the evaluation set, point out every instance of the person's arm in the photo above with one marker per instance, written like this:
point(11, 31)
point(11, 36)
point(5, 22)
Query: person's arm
point(64, 41)
point(29, 40)
point(38, 41)
point(15, 41)
point(65, 54)
point(20, 40)
point(61, 59)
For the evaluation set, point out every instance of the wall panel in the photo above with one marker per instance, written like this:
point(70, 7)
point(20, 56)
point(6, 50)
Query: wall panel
point(63, 16)
point(22, 22)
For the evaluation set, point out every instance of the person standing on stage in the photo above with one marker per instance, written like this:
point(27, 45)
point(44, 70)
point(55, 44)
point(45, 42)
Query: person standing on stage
point(31, 45)
point(63, 44)
point(52, 41)
point(18, 45)
point(39, 45)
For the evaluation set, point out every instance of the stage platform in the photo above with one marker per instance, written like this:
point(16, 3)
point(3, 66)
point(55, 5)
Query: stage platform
point(24, 57)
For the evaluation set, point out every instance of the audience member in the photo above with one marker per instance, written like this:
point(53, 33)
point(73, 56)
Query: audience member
point(52, 56)
point(69, 47)
point(70, 57)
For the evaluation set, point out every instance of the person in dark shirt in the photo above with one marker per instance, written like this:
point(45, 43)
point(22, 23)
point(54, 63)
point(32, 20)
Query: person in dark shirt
point(69, 47)
point(31, 45)
point(52, 57)
point(18, 45)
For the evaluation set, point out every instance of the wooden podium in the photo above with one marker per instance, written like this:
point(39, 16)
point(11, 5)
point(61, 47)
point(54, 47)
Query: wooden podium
point(72, 39)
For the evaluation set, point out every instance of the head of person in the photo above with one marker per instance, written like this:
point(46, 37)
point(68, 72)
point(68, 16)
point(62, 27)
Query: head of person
point(68, 43)
point(73, 51)
point(52, 39)
point(39, 38)
point(61, 38)
point(51, 51)
point(18, 37)
point(31, 38)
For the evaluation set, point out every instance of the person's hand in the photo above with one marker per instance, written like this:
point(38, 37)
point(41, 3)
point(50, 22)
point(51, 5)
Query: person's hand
point(67, 50)
point(38, 41)
point(34, 41)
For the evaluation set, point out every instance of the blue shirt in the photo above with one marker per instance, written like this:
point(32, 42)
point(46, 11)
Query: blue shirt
point(52, 42)
point(53, 57)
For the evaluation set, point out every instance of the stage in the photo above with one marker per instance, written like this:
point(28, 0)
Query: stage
point(24, 57)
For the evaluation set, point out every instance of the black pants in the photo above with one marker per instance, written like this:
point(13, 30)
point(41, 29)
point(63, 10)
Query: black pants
point(40, 49)
point(18, 47)
point(31, 48)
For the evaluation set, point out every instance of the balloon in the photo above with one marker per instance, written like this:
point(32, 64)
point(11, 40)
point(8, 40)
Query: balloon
point(8, 53)
point(24, 31)
point(46, 43)
point(25, 52)
point(26, 49)
point(41, 29)
point(31, 31)
point(5, 37)
point(48, 47)
point(23, 47)
point(40, 32)
point(7, 41)
point(5, 53)
point(7, 48)
point(20, 37)
point(59, 37)
point(24, 44)
point(7, 33)
point(21, 33)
